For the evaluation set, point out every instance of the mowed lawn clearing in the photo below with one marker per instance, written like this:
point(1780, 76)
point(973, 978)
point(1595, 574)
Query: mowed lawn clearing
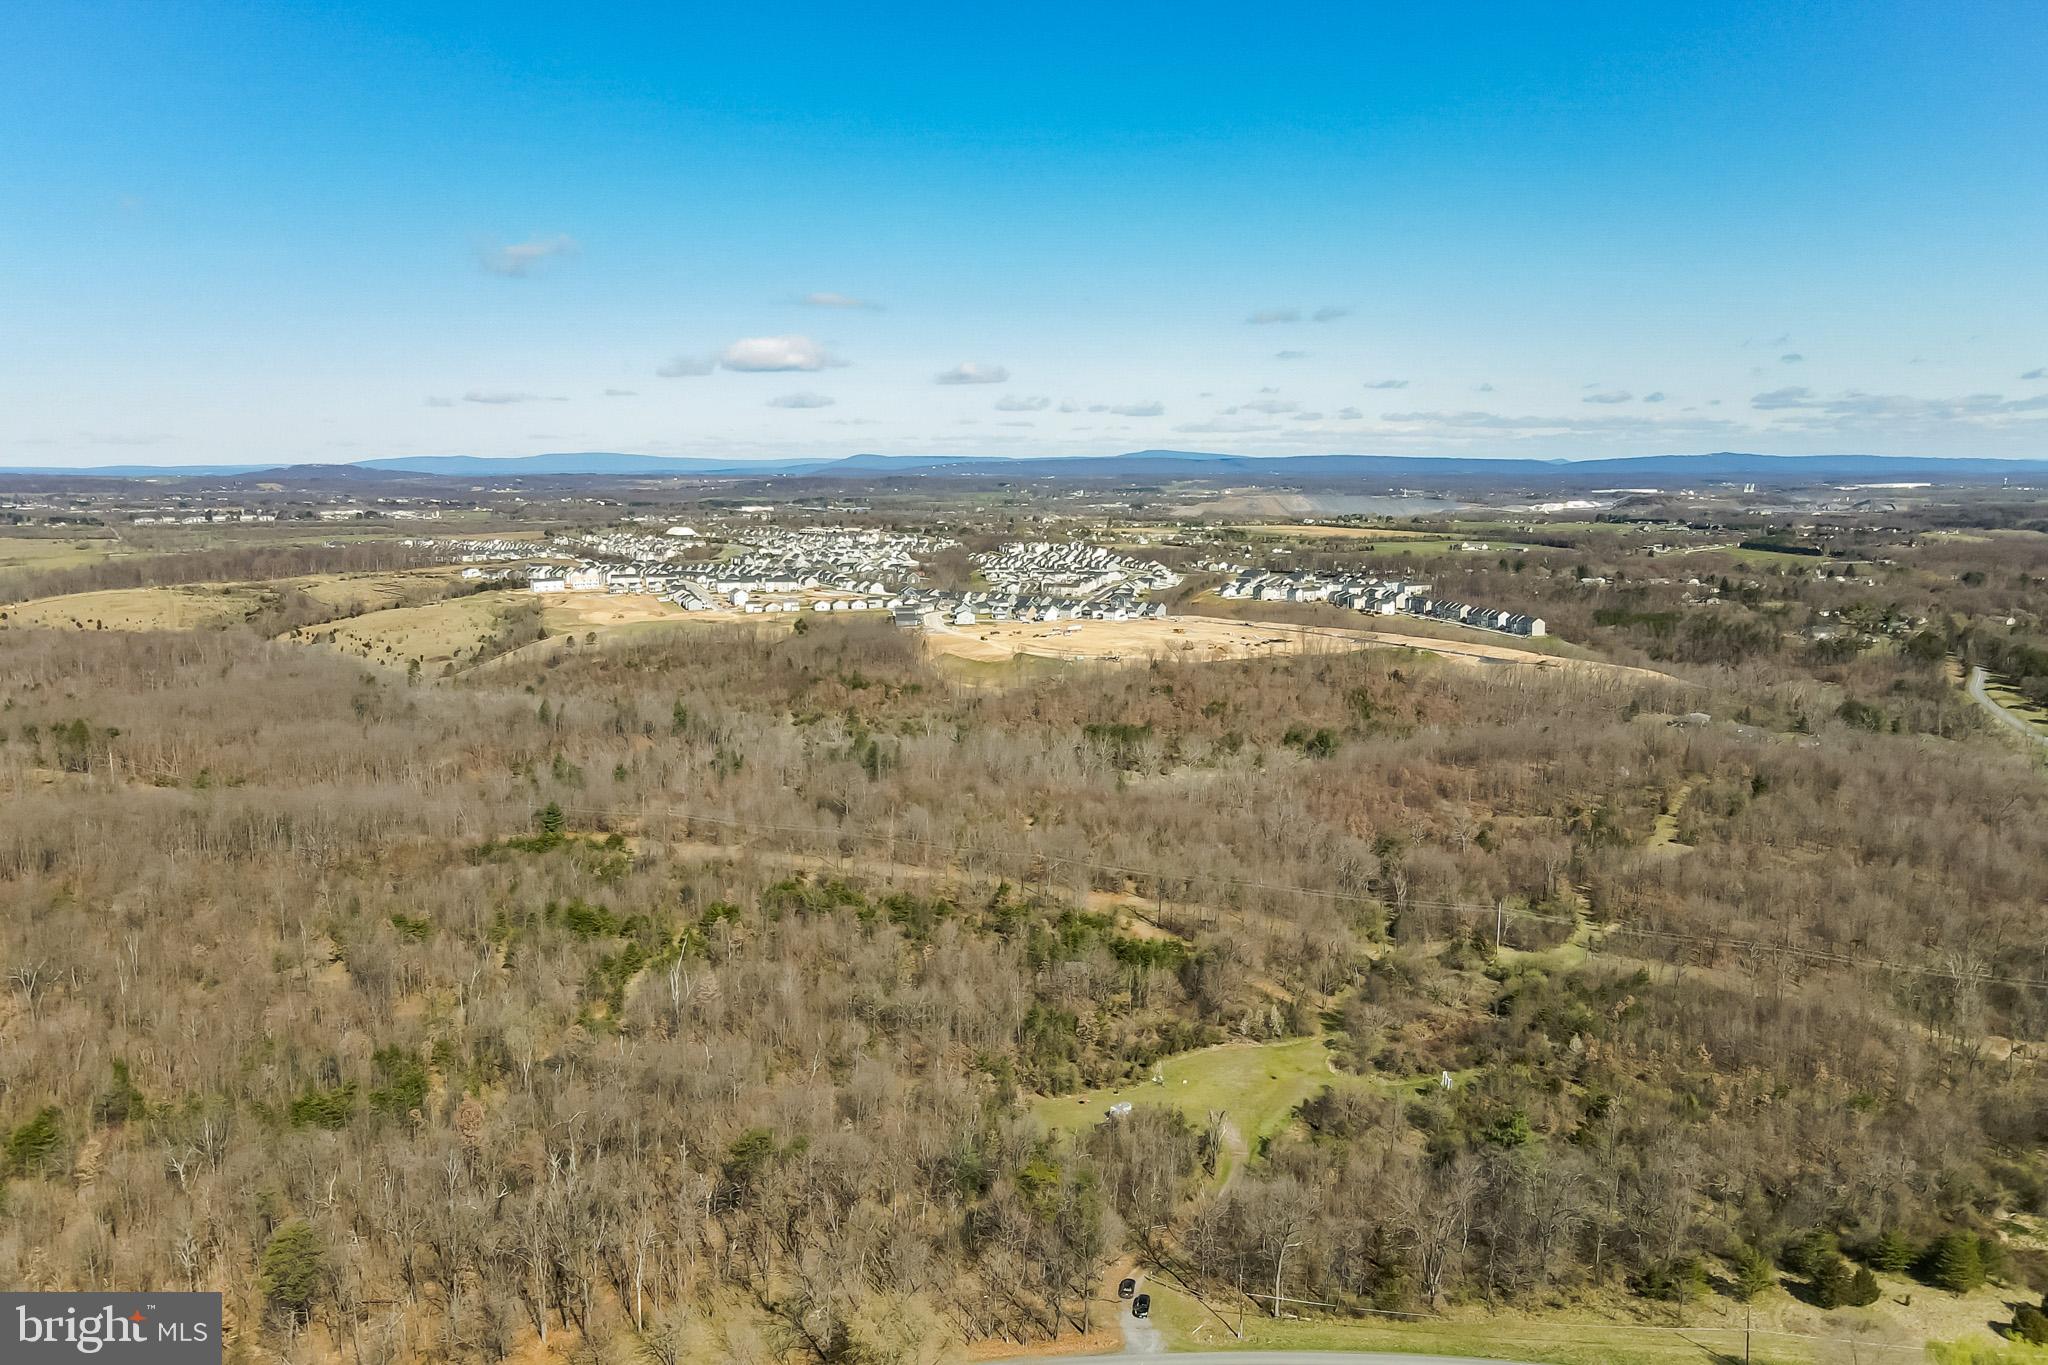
point(1610, 1328)
point(1258, 1086)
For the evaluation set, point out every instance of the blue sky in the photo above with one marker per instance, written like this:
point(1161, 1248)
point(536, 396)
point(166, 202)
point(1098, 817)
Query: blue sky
point(323, 232)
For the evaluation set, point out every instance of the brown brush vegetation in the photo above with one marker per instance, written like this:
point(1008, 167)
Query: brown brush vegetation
point(416, 1016)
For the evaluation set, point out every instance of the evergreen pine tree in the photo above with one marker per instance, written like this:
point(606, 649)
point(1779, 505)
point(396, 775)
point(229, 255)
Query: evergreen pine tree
point(1890, 1252)
point(1956, 1263)
point(289, 1273)
point(1832, 1282)
point(1753, 1273)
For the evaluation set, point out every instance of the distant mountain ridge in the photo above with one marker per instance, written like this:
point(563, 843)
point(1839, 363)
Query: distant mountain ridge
point(1399, 470)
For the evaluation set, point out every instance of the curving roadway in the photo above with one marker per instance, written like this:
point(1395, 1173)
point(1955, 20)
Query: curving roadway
point(1984, 699)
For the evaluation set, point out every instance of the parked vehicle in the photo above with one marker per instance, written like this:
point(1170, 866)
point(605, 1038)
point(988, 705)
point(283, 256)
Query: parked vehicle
point(1141, 1307)
point(1127, 1288)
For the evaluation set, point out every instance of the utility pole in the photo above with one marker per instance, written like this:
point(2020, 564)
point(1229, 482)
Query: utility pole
point(1747, 1314)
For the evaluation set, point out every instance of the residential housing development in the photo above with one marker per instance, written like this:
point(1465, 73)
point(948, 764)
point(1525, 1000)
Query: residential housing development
point(826, 569)
point(1373, 596)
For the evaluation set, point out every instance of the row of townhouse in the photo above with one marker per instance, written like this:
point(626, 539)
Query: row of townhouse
point(923, 608)
point(487, 551)
point(627, 547)
point(1074, 568)
point(1485, 618)
point(216, 515)
point(551, 578)
point(1373, 597)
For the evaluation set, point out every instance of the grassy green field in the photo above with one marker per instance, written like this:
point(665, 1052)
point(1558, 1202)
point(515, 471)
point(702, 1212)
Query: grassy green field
point(44, 553)
point(1899, 1330)
point(2014, 701)
point(1189, 1326)
point(1257, 1085)
point(1020, 668)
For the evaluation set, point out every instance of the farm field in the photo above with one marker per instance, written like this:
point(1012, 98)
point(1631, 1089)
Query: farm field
point(1246, 506)
point(1333, 532)
point(195, 606)
point(42, 553)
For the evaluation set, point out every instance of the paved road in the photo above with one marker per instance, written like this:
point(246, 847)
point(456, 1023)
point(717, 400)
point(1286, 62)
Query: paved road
point(1146, 1344)
point(1984, 699)
point(1141, 1338)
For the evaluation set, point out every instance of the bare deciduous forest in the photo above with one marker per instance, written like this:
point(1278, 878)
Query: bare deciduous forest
point(686, 996)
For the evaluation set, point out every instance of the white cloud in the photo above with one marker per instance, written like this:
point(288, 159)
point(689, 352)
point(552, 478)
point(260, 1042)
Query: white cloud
point(516, 260)
point(761, 355)
point(1265, 317)
point(687, 366)
point(499, 397)
point(1855, 404)
point(1216, 426)
point(1502, 424)
point(1790, 358)
point(1656, 397)
point(1018, 402)
point(1386, 383)
point(1329, 313)
point(439, 402)
point(1608, 396)
point(1147, 409)
point(622, 393)
point(968, 372)
point(827, 299)
point(2041, 373)
point(1272, 407)
point(801, 400)
point(1290, 355)
point(1349, 414)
